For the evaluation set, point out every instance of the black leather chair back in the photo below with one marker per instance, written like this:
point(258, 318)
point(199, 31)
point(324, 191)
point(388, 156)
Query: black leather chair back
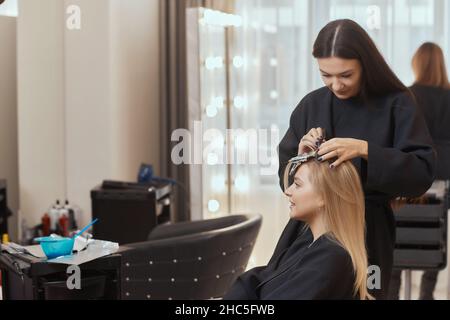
point(190, 260)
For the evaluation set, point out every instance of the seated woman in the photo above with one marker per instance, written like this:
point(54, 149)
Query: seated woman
point(328, 259)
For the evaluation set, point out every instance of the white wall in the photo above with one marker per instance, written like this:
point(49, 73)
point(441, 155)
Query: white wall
point(88, 93)
point(8, 116)
point(135, 84)
point(40, 60)
point(97, 98)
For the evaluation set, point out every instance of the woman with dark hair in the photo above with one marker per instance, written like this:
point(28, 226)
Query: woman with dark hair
point(368, 117)
point(432, 92)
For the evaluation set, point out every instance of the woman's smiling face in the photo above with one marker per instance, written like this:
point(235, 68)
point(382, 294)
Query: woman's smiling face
point(304, 200)
point(341, 76)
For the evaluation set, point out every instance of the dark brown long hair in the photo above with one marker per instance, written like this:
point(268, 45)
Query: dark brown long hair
point(346, 39)
point(429, 66)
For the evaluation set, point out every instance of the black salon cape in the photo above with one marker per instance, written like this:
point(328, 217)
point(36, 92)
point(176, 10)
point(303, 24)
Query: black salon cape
point(401, 162)
point(307, 270)
point(434, 102)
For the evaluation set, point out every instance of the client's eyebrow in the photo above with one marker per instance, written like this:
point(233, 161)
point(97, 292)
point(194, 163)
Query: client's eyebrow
point(297, 179)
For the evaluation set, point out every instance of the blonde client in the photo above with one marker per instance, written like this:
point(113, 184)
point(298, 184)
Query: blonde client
point(328, 259)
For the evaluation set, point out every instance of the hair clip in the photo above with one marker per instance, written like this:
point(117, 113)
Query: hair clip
point(300, 159)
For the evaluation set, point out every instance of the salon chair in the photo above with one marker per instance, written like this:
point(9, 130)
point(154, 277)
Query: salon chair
point(195, 260)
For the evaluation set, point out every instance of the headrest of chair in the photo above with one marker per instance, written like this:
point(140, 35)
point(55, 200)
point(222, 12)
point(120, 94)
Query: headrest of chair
point(196, 227)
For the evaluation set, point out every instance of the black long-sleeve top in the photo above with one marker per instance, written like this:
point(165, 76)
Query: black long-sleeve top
point(401, 160)
point(434, 102)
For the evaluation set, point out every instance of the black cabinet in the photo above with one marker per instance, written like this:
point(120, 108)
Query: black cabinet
point(4, 211)
point(29, 278)
point(127, 212)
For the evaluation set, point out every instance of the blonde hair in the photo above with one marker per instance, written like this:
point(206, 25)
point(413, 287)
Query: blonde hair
point(344, 213)
point(429, 66)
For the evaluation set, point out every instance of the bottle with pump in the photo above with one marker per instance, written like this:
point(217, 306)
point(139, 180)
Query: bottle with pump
point(54, 216)
point(58, 204)
point(26, 233)
point(64, 225)
point(45, 225)
point(72, 220)
point(63, 212)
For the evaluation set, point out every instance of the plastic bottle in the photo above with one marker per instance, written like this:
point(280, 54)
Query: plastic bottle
point(63, 211)
point(5, 238)
point(25, 233)
point(54, 216)
point(45, 225)
point(64, 225)
point(72, 220)
point(58, 204)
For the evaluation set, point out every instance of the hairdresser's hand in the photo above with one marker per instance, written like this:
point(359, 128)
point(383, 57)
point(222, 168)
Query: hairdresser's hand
point(343, 150)
point(311, 141)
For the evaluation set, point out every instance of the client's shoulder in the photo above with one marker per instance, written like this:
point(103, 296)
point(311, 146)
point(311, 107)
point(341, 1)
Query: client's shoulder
point(328, 253)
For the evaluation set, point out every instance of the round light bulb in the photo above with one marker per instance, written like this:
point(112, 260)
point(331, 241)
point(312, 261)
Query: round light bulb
point(213, 206)
point(218, 62)
point(273, 62)
point(211, 111)
point(218, 102)
point(218, 183)
point(213, 159)
point(274, 94)
point(238, 62)
point(210, 63)
point(239, 102)
point(242, 183)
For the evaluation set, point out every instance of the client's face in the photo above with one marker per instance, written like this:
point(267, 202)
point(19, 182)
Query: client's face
point(305, 202)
